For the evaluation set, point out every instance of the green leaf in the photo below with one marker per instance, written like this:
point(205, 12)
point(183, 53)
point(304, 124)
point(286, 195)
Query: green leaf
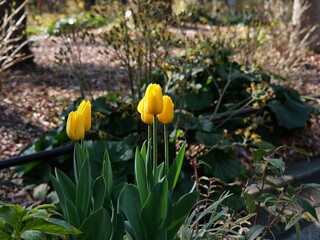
point(72, 214)
point(60, 194)
point(141, 176)
point(143, 151)
point(5, 236)
point(199, 101)
point(97, 226)
point(277, 163)
point(299, 150)
point(67, 186)
point(254, 232)
point(12, 214)
point(50, 226)
point(305, 205)
point(33, 235)
point(83, 194)
point(298, 231)
point(130, 204)
point(108, 177)
point(257, 154)
point(175, 168)
point(267, 198)
point(99, 193)
point(290, 111)
point(181, 210)
point(250, 203)
point(117, 225)
point(292, 221)
point(157, 212)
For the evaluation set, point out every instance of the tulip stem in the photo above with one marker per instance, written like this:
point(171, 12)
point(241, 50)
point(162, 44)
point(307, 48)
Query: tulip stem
point(166, 148)
point(155, 145)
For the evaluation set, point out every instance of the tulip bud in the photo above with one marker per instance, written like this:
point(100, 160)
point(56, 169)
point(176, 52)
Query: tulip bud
point(75, 126)
point(145, 117)
point(85, 109)
point(166, 116)
point(153, 99)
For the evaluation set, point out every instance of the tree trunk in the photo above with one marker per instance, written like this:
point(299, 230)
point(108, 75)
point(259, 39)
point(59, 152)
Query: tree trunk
point(306, 18)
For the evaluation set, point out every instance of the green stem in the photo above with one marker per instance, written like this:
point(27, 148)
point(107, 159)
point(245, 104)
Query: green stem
point(166, 149)
point(154, 145)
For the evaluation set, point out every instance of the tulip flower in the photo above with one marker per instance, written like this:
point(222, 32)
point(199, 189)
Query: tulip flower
point(166, 116)
point(85, 109)
point(153, 103)
point(145, 117)
point(75, 126)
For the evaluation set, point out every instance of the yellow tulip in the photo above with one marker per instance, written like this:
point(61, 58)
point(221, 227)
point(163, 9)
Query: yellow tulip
point(75, 126)
point(145, 117)
point(85, 109)
point(153, 103)
point(166, 116)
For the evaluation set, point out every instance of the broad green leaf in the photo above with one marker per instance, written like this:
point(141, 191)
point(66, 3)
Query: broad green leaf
point(305, 205)
point(157, 212)
point(83, 194)
point(140, 176)
point(33, 235)
point(67, 186)
point(175, 168)
point(51, 226)
point(290, 111)
point(181, 210)
point(257, 154)
point(12, 214)
point(197, 101)
point(254, 232)
point(99, 193)
point(108, 177)
point(277, 163)
point(97, 226)
point(5, 236)
point(130, 204)
point(250, 203)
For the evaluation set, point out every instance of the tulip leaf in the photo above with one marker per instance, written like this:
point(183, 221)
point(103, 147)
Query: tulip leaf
point(143, 151)
point(60, 194)
point(181, 210)
point(68, 187)
point(83, 191)
point(117, 225)
point(97, 226)
point(99, 193)
point(129, 201)
point(72, 214)
point(108, 177)
point(140, 176)
point(150, 180)
point(157, 212)
point(175, 168)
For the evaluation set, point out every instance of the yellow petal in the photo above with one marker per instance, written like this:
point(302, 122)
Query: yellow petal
point(85, 109)
point(153, 103)
point(75, 126)
point(167, 114)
